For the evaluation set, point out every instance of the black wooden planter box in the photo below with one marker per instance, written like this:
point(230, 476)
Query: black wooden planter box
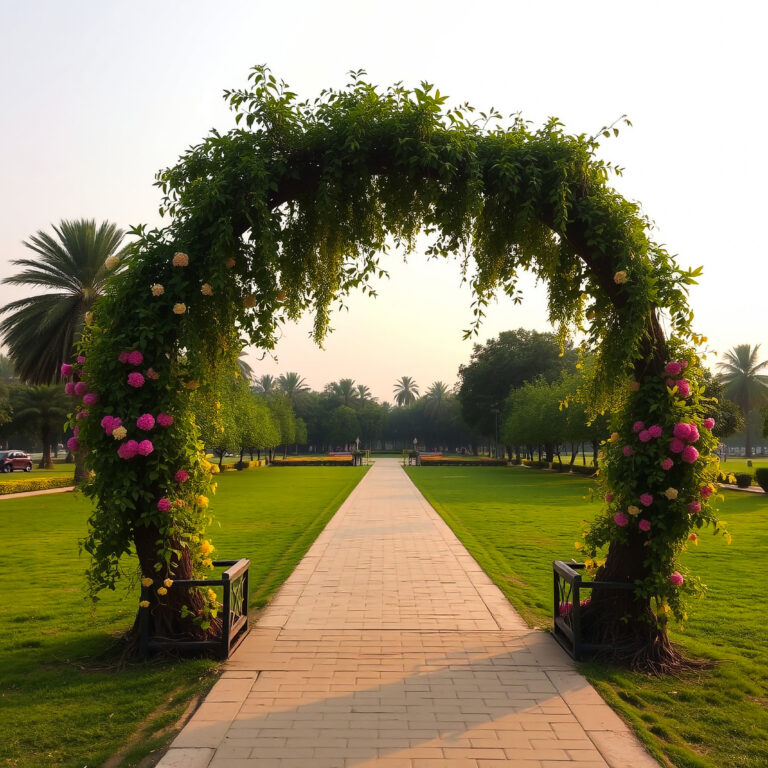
point(234, 613)
point(568, 586)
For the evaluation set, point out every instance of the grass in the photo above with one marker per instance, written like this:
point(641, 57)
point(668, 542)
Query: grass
point(62, 702)
point(58, 470)
point(516, 521)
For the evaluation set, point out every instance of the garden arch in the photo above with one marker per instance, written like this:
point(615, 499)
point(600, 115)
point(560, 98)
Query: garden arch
point(289, 211)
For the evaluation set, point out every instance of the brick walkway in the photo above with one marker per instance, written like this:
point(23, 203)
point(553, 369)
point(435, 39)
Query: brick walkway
point(389, 647)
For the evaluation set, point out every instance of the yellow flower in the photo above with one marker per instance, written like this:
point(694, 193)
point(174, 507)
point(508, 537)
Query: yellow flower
point(214, 469)
point(192, 384)
point(180, 259)
point(205, 464)
point(694, 538)
point(614, 437)
point(206, 289)
point(144, 604)
point(620, 277)
point(88, 317)
point(180, 308)
point(249, 301)
point(208, 563)
point(671, 493)
point(202, 501)
point(168, 582)
point(157, 289)
point(119, 433)
point(211, 595)
point(162, 591)
point(146, 582)
point(206, 547)
point(214, 486)
point(111, 262)
point(633, 510)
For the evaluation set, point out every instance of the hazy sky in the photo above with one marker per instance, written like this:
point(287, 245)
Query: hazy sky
point(98, 96)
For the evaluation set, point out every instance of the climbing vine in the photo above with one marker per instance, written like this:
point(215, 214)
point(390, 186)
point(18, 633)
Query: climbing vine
point(290, 211)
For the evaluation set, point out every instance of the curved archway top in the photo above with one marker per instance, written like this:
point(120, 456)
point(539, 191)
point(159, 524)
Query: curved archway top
point(304, 196)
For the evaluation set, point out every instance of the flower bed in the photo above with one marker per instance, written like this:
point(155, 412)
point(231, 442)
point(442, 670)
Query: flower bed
point(460, 461)
point(315, 461)
point(38, 484)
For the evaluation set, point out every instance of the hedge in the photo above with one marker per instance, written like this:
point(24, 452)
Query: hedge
point(34, 484)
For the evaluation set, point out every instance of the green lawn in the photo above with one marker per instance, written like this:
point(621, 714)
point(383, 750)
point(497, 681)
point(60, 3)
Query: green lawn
point(58, 470)
point(62, 701)
point(515, 521)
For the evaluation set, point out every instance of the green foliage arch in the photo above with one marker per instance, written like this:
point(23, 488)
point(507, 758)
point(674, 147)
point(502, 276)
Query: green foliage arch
point(287, 213)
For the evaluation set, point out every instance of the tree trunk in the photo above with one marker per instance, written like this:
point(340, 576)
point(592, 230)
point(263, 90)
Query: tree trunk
point(747, 438)
point(45, 460)
point(81, 473)
point(574, 454)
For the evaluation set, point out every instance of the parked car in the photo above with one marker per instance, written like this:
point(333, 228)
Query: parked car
point(10, 460)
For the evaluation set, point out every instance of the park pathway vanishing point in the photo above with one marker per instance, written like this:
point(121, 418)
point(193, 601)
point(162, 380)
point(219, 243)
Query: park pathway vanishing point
point(389, 647)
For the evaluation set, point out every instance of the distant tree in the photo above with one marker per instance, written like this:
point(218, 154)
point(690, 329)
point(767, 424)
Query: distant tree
point(406, 391)
point(43, 410)
point(7, 370)
point(437, 397)
point(293, 386)
point(371, 419)
point(503, 363)
point(364, 393)
point(740, 372)
point(265, 385)
point(344, 391)
point(284, 417)
point(727, 415)
point(344, 426)
point(41, 329)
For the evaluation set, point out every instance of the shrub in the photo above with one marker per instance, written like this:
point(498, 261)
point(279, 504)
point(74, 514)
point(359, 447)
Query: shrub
point(743, 479)
point(761, 476)
point(37, 484)
point(581, 469)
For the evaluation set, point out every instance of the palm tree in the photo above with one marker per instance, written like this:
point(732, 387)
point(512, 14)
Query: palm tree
point(244, 368)
point(292, 385)
point(345, 390)
point(744, 384)
point(364, 393)
point(41, 329)
point(265, 385)
point(437, 395)
point(44, 410)
point(406, 391)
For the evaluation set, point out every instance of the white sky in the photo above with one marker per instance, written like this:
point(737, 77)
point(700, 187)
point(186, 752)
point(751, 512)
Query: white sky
point(98, 96)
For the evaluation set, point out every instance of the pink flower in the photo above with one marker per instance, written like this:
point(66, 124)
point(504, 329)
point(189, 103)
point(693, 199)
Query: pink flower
point(609, 497)
point(123, 357)
point(694, 507)
point(135, 357)
point(655, 431)
point(644, 525)
point(690, 454)
point(81, 359)
point(164, 420)
point(181, 476)
point(620, 519)
point(644, 436)
point(683, 387)
point(73, 445)
point(82, 415)
point(667, 464)
point(638, 426)
point(709, 423)
point(694, 433)
point(682, 431)
point(684, 364)
point(152, 374)
point(66, 370)
point(128, 449)
point(146, 447)
point(670, 382)
point(164, 505)
point(81, 388)
point(676, 579)
point(146, 421)
point(646, 499)
point(676, 445)
point(135, 380)
point(90, 398)
point(673, 369)
point(627, 450)
point(69, 387)
point(106, 424)
point(76, 431)
point(706, 491)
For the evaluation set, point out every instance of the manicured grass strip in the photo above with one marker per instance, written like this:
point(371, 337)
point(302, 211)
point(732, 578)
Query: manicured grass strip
point(516, 521)
point(62, 701)
point(61, 470)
